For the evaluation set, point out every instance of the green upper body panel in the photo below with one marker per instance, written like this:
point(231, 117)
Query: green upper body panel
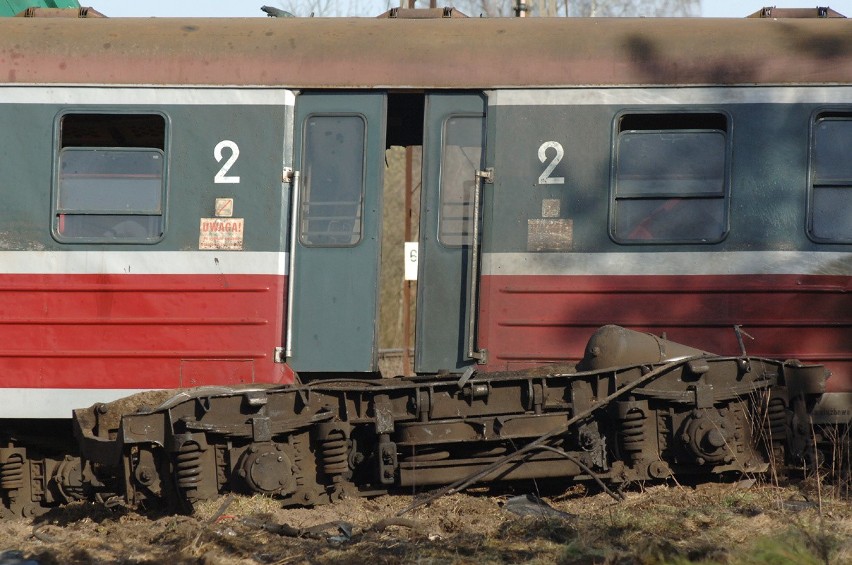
point(29, 164)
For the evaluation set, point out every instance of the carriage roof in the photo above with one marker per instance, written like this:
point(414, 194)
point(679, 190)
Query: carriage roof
point(456, 53)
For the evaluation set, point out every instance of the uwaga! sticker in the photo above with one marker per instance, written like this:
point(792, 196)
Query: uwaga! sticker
point(221, 233)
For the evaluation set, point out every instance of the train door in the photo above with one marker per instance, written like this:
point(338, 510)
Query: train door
point(336, 232)
point(453, 151)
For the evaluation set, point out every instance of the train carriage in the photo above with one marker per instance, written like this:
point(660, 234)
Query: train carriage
point(199, 202)
point(108, 287)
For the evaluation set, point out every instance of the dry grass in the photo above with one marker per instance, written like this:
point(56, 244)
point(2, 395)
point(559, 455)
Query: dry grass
point(709, 524)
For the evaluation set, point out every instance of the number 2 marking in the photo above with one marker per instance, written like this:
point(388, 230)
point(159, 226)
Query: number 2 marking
point(222, 176)
point(545, 177)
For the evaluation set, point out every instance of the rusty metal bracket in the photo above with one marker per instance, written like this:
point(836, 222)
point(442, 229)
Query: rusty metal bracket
point(383, 413)
point(388, 462)
point(468, 373)
point(256, 398)
point(261, 429)
point(704, 397)
point(485, 175)
point(423, 404)
point(740, 333)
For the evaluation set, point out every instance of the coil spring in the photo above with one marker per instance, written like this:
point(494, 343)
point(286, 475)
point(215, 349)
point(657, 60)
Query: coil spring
point(633, 431)
point(776, 419)
point(334, 453)
point(188, 465)
point(12, 473)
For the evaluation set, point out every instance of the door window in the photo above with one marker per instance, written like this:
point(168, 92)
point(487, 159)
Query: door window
point(333, 180)
point(461, 157)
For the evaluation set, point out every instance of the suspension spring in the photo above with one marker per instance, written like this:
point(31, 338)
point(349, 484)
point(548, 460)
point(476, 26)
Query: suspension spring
point(188, 465)
point(335, 449)
point(12, 473)
point(633, 431)
point(776, 419)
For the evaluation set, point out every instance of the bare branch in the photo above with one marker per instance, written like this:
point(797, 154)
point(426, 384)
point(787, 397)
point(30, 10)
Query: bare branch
point(505, 8)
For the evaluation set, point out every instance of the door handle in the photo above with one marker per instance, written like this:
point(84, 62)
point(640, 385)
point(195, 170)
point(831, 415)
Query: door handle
point(291, 268)
point(481, 355)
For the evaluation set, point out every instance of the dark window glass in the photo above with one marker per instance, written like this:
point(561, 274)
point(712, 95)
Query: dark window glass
point(111, 178)
point(670, 178)
point(461, 157)
point(332, 181)
point(114, 130)
point(831, 190)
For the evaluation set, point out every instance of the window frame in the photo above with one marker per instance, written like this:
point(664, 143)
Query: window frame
point(670, 113)
point(303, 201)
point(57, 151)
point(839, 113)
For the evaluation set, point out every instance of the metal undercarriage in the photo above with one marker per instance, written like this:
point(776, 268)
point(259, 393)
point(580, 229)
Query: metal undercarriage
point(636, 408)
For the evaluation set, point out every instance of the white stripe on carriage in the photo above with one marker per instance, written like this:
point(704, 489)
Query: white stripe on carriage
point(670, 263)
point(144, 262)
point(55, 402)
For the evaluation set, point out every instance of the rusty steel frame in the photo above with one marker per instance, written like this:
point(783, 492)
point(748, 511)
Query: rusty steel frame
point(672, 410)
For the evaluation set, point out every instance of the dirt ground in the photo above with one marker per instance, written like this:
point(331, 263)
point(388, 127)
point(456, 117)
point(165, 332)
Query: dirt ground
point(711, 523)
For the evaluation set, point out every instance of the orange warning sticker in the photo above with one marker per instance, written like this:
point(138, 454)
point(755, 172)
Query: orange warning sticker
point(221, 233)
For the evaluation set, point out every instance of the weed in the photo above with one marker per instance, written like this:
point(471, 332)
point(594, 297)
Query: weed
point(557, 531)
point(577, 553)
point(781, 550)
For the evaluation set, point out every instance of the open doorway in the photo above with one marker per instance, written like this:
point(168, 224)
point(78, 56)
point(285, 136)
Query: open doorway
point(400, 219)
point(435, 146)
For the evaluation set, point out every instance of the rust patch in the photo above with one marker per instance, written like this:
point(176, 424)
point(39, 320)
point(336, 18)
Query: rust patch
point(550, 235)
point(358, 52)
point(550, 208)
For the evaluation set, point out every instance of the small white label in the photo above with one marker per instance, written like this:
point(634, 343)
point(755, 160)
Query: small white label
point(224, 207)
point(411, 260)
point(221, 233)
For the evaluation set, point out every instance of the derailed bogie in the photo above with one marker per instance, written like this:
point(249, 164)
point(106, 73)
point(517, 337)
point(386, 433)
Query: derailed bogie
point(203, 451)
point(29, 486)
point(310, 444)
point(659, 440)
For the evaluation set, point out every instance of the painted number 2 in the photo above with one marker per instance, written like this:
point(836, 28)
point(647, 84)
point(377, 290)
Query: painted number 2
point(545, 177)
point(222, 176)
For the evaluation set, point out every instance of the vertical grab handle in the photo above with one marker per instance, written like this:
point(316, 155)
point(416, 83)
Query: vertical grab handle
point(291, 268)
point(481, 356)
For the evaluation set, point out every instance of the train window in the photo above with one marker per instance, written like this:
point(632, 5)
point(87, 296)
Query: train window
point(831, 179)
point(110, 178)
point(332, 180)
point(670, 178)
point(461, 157)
